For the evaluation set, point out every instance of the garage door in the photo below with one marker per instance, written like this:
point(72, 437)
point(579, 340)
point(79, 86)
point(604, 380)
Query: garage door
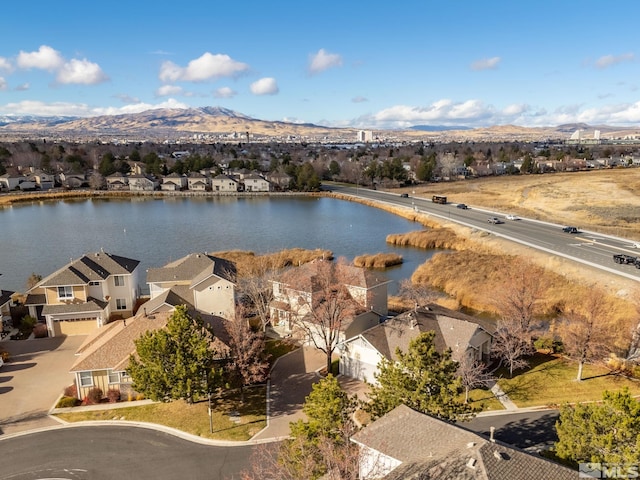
point(355, 368)
point(74, 327)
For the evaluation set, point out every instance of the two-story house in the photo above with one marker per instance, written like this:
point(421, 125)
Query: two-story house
point(462, 334)
point(200, 281)
point(117, 181)
point(224, 183)
point(294, 292)
point(174, 182)
point(142, 183)
point(198, 182)
point(85, 294)
point(255, 183)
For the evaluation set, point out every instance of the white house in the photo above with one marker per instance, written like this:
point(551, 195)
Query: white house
point(224, 183)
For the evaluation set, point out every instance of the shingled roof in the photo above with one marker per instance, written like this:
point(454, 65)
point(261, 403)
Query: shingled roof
point(88, 268)
point(452, 330)
point(193, 268)
point(304, 277)
point(430, 448)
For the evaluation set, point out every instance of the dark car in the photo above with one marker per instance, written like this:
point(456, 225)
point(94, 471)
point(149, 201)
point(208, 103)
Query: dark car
point(462, 206)
point(404, 195)
point(494, 220)
point(570, 230)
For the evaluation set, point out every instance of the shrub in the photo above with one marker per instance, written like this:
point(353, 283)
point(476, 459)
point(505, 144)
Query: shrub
point(5, 355)
point(94, 395)
point(139, 396)
point(113, 395)
point(27, 323)
point(65, 402)
point(40, 331)
point(71, 391)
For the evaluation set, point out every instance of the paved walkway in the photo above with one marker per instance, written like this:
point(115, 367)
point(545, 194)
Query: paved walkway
point(502, 397)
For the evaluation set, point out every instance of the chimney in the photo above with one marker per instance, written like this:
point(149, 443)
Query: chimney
point(492, 430)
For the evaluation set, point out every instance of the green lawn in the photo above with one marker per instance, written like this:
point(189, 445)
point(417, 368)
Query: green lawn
point(484, 400)
point(194, 418)
point(552, 381)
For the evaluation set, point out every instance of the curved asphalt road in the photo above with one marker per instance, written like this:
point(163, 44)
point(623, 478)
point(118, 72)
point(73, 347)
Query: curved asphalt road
point(589, 248)
point(110, 452)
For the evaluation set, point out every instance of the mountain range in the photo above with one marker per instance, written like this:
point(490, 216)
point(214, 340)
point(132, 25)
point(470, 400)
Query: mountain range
point(222, 122)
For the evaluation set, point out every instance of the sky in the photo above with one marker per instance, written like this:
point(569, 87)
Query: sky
point(348, 63)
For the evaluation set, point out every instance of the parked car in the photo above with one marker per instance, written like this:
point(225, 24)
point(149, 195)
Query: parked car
point(512, 217)
point(404, 195)
point(462, 206)
point(494, 220)
point(570, 230)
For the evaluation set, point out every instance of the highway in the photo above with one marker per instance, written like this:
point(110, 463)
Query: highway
point(589, 248)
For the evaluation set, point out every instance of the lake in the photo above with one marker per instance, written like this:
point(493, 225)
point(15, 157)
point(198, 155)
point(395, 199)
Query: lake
point(41, 237)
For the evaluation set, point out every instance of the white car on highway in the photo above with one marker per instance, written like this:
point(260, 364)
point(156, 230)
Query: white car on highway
point(512, 217)
point(635, 245)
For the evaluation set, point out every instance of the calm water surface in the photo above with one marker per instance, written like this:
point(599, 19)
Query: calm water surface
point(43, 236)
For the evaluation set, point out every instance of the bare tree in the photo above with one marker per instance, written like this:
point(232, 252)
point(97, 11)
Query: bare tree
point(256, 285)
point(33, 280)
point(248, 363)
point(321, 312)
point(419, 294)
point(473, 374)
point(512, 345)
point(519, 299)
point(586, 332)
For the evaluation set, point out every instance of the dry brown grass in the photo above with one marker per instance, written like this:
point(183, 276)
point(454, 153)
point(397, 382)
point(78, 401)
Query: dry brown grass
point(379, 260)
point(245, 261)
point(429, 239)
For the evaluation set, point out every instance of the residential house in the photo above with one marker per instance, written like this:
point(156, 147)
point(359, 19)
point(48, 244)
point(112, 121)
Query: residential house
point(202, 282)
point(224, 183)
point(117, 181)
point(103, 358)
point(280, 180)
point(44, 181)
point(463, 334)
point(409, 445)
point(85, 294)
point(294, 291)
point(198, 182)
point(142, 183)
point(72, 180)
point(174, 182)
point(9, 181)
point(5, 308)
point(256, 183)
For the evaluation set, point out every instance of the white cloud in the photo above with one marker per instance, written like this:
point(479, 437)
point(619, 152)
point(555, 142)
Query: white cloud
point(206, 67)
point(168, 90)
point(3, 84)
point(23, 87)
point(610, 60)
point(5, 65)
point(515, 109)
point(359, 99)
point(486, 64)
point(31, 107)
point(81, 72)
point(46, 58)
point(224, 92)
point(264, 86)
point(323, 60)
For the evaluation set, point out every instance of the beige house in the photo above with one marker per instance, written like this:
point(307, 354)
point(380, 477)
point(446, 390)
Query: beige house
point(200, 281)
point(463, 334)
point(294, 290)
point(117, 181)
point(198, 182)
point(85, 294)
point(142, 183)
point(174, 182)
point(255, 183)
point(224, 183)
point(405, 444)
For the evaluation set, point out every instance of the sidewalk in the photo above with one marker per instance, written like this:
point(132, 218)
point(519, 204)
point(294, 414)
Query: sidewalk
point(502, 397)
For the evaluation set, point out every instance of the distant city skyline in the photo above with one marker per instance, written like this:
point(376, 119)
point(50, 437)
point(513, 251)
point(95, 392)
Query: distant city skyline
point(366, 65)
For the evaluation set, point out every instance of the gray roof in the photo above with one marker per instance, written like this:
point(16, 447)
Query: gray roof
point(5, 296)
point(91, 305)
point(193, 268)
point(430, 448)
point(90, 267)
point(305, 277)
point(452, 330)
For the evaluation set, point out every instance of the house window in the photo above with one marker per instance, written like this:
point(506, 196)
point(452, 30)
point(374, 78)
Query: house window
point(65, 293)
point(114, 377)
point(94, 284)
point(121, 304)
point(86, 379)
point(119, 280)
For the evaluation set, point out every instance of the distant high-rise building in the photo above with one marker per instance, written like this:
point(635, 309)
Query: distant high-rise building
point(365, 136)
point(576, 135)
point(596, 135)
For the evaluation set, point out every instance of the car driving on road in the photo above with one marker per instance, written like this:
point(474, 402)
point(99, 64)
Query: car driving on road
point(462, 206)
point(494, 220)
point(570, 230)
point(512, 217)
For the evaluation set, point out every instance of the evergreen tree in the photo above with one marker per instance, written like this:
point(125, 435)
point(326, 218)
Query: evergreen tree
point(422, 379)
point(607, 432)
point(175, 362)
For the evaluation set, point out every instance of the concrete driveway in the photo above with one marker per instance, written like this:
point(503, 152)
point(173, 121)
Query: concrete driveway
point(33, 379)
